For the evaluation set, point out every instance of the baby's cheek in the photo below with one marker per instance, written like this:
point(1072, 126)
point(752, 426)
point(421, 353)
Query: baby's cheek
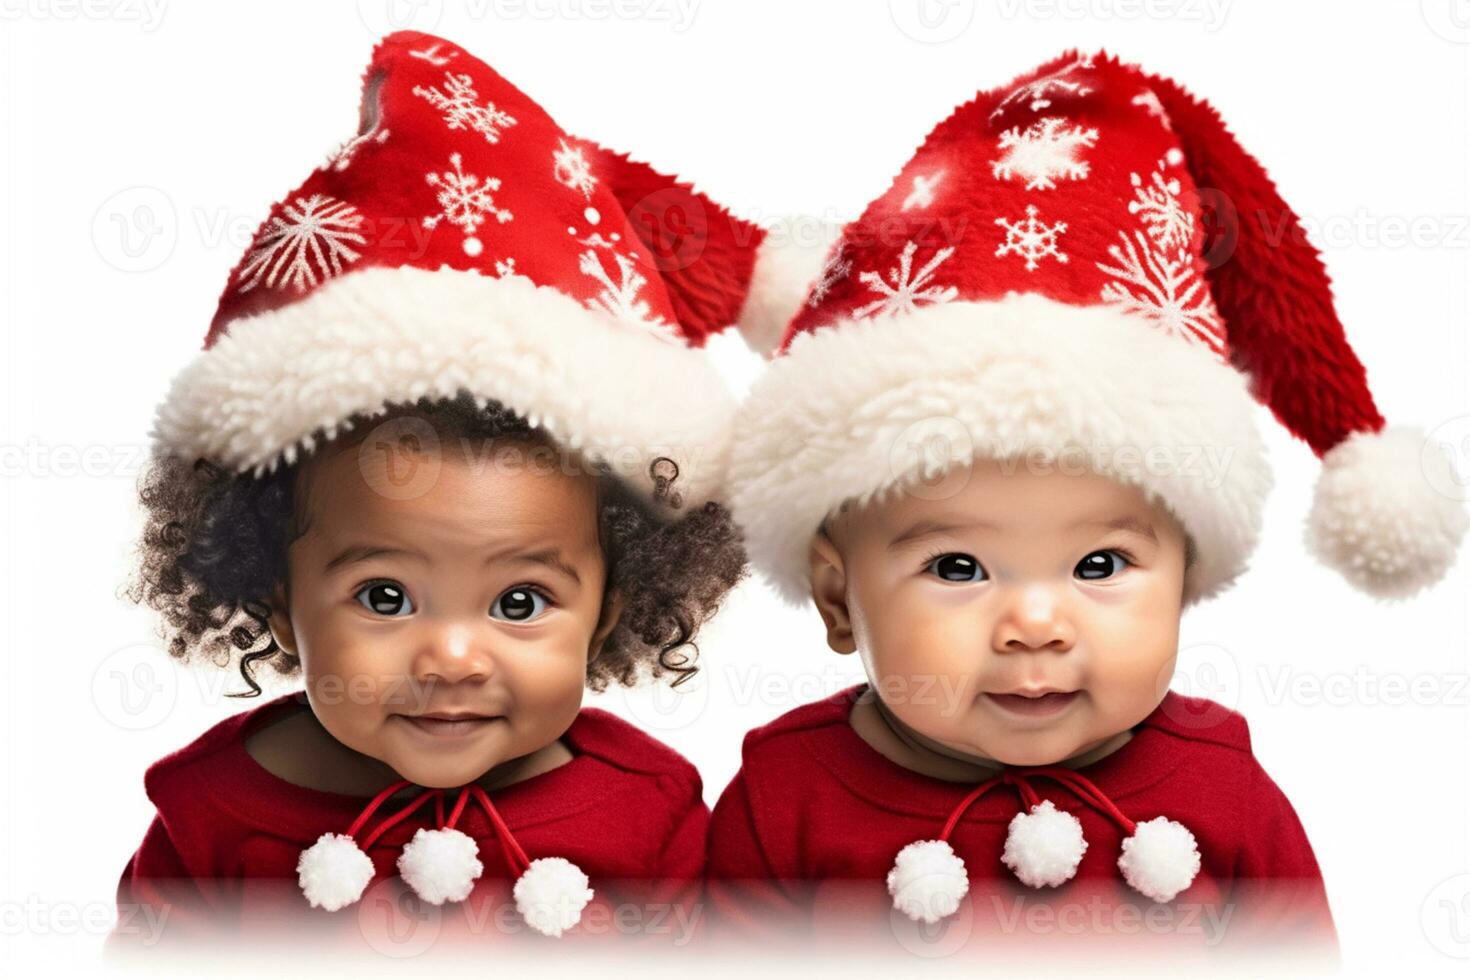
point(912, 634)
point(546, 680)
point(1127, 679)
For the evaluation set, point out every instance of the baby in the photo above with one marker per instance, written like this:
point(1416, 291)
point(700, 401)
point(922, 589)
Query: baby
point(1006, 443)
point(450, 465)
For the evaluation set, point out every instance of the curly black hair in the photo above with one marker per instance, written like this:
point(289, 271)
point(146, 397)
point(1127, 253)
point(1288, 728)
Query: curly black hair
point(214, 550)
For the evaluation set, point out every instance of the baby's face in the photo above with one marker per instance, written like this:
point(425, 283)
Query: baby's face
point(968, 609)
point(445, 631)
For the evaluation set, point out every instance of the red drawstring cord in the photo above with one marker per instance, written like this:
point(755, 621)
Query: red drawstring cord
point(399, 817)
point(1006, 778)
point(515, 858)
point(459, 805)
point(964, 805)
point(1029, 797)
point(372, 807)
point(1088, 792)
point(1079, 784)
point(390, 822)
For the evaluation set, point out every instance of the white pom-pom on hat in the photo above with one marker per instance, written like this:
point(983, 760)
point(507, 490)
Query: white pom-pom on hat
point(334, 872)
point(551, 894)
point(440, 865)
point(1044, 847)
point(1383, 514)
point(1161, 859)
point(928, 881)
point(791, 256)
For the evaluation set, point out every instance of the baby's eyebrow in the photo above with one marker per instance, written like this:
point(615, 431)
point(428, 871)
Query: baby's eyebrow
point(362, 552)
point(1133, 524)
point(925, 528)
point(550, 557)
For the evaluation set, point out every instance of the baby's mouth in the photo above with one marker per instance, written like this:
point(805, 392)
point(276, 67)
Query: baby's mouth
point(1040, 705)
point(445, 725)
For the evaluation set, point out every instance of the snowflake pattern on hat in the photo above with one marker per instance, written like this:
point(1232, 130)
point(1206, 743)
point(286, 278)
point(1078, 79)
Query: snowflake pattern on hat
point(460, 104)
point(307, 242)
point(502, 154)
point(1045, 136)
point(1153, 272)
point(905, 290)
point(1031, 239)
point(465, 201)
point(1043, 153)
point(570, 167)
point(1039, 93)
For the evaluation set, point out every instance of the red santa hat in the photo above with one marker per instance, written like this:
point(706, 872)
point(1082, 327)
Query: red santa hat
point(462, 241)
point(1038, 283)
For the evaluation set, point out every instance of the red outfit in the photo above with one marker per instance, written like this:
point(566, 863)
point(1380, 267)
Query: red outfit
point(804, 836)
point(223, 849)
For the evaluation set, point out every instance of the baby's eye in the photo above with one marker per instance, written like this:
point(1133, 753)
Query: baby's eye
point(1100, 565)
point(385, 598)
point(518, 605)
point(956, 568)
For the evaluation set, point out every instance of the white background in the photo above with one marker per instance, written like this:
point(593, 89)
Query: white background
point(145, 141)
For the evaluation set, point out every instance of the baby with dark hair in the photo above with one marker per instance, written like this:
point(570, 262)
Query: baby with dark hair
point(449, 456)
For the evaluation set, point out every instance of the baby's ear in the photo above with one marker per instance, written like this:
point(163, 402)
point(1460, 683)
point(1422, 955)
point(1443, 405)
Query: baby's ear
point(612, 611)
point(279, 621)
point(829, 592)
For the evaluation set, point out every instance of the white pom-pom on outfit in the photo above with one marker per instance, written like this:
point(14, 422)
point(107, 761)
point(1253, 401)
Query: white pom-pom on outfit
point(333, 872)
point(1044, 848)
point(551, 894)
point(928, 881)
point(442, 864)
point(1161, 859)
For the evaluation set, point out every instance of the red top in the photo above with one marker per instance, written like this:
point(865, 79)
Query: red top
point(223, 848)
point(802, 840)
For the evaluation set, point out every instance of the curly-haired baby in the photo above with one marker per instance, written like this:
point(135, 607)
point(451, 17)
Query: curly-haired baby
point(450, 478)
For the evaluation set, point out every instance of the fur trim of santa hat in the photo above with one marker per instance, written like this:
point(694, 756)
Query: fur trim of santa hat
point(1038, 284)
point(896, 402)
point(463, 242)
